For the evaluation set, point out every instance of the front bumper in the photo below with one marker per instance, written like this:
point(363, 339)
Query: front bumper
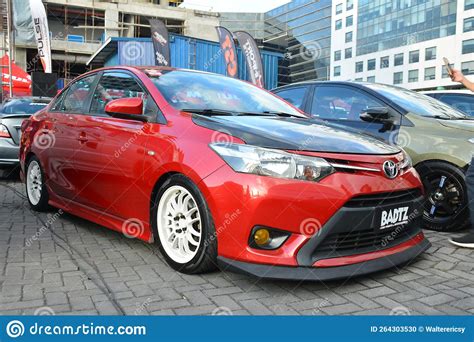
point(399, 255)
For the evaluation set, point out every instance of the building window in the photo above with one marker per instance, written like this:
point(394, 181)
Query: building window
point(339, 9)
point(430, 74)
point(468, 68)
point(358, 79)
point(398, 78)
point(359, 66)
point(337, 71)
point(384, 62)
point(468, 46)
point(348, 37)
point(430, 53)
point(349, 5)
point(444, 72)
point(469, 24)
point(469, 4)
point(371, 79)
point(414, 56)
point(339, 24)
point(413, 76)
point(348, 53)
point(398, 60)
point(349, 21)
point(371, 64)
point(337, 55)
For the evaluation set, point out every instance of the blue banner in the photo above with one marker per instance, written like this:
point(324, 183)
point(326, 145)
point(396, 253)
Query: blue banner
point(237, 328)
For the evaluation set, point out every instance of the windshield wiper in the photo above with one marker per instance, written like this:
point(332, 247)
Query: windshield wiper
point(209, 111)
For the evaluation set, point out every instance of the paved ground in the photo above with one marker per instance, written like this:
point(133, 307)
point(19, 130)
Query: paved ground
point(82, 268)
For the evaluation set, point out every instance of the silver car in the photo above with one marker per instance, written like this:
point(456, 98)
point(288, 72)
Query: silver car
point(12, 114)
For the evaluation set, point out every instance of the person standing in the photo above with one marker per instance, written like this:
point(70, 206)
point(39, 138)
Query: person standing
point(466, 241)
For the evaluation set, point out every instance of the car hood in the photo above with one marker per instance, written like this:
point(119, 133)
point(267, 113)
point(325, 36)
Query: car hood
point(294, 134)
point(465, 125)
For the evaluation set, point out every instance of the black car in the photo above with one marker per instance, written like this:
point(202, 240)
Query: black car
point(438, 137)
point(12, 114)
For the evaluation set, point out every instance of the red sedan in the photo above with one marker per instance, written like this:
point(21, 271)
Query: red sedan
point(216, 171)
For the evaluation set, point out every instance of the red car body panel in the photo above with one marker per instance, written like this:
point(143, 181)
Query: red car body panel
point(106, 169)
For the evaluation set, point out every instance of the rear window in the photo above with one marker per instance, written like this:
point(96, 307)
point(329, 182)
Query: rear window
point(20, 106)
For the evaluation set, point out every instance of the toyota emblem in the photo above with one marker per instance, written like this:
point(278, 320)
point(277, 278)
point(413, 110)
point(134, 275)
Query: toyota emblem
point(390, 169)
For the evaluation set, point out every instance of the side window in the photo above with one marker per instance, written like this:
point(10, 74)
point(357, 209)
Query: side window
point(75, 98)
point(118, 85)
point(58, 103)
point(295, 96)
point(341, 103)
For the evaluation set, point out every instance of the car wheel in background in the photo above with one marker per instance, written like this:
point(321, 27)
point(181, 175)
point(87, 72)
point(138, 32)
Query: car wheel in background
point(446, 196)
point(182, 220)
point(36, 190)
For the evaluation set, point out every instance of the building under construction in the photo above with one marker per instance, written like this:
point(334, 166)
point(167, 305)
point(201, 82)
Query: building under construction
point(79, 28)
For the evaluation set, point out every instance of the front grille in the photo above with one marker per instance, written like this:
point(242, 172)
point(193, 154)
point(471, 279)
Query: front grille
point(375, 200)
point(363, 240)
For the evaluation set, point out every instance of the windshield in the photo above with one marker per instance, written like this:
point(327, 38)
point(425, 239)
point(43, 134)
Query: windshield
point(22, 106)
point(417, 103)
point(200, 91)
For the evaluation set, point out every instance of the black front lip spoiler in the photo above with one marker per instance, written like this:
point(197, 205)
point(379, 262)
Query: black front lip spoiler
point(324, 273)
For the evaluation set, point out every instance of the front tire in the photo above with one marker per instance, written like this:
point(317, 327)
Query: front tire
point(446, 196)
point(185, 229)
point(36, 190)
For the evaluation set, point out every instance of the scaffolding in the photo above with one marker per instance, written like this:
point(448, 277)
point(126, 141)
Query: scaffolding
point(6, 46)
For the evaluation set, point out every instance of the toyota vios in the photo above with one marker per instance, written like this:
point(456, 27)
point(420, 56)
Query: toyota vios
point(217, 171)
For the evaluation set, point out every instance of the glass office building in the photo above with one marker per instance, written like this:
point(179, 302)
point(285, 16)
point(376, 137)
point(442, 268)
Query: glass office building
point(301, 30)
point(387, 24)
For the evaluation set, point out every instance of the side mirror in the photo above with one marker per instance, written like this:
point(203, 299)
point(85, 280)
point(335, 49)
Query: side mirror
point(126, 108)
point(376, 115)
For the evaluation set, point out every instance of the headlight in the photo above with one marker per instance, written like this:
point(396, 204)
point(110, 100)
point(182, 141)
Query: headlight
point(274, 163)
point(406, 163)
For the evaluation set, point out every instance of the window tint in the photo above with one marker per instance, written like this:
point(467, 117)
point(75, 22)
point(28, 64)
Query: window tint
point(341, 103)
point(118, 85)
point(295, 96)
point(75, 100)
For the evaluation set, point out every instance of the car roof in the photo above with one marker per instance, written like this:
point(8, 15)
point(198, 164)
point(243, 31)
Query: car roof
point(448, 91)
point(146, 69)
point(350, 83)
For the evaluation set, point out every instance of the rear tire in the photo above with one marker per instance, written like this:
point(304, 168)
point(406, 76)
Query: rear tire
point(182, 222)
point(36, 190)
point(446, 204)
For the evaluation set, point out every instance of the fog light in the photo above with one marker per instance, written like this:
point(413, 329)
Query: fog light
point(262, 237)
point(267, 238)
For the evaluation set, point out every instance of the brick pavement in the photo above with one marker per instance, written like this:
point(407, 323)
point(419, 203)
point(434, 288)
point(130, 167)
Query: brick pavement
point(87, 269)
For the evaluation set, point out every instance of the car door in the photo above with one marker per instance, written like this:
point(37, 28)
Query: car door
point(62, 138)
point(343, 104)
point(297, 96)
point(110, 163)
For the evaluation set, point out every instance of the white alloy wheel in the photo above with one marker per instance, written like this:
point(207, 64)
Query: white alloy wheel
point(34, 182)
point(179, 224)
